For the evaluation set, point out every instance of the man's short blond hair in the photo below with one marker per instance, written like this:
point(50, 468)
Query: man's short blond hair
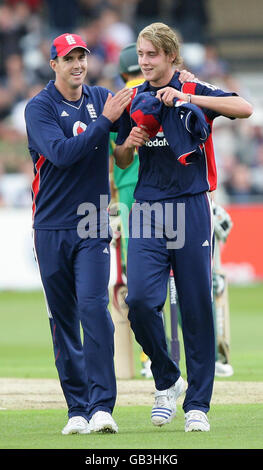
point(162, 37)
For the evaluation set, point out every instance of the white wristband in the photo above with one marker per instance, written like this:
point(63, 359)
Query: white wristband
point(189, 97)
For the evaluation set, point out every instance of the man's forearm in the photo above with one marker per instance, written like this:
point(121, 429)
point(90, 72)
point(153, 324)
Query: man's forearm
point(231, 106)
point(123, 155)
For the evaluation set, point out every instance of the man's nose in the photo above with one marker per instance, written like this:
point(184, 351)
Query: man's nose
point(76, 63)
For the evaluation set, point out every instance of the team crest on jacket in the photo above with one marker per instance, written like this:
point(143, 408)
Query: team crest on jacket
point(79, 127)
point(91, 111)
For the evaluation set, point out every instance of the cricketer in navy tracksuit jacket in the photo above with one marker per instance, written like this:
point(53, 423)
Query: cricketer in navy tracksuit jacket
point(68, 143)
point(172, 201)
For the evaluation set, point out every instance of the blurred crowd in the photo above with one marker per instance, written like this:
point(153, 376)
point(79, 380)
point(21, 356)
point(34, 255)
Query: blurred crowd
point(26, 32)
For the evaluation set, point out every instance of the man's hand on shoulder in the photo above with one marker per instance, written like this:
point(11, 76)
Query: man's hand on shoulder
point(115, 105)
point(186, 76)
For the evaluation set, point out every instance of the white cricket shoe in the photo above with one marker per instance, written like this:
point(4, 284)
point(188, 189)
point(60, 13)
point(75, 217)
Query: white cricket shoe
point(76, 425)
point(223, 370)
point(164, 409)
point(196, 420)
point(102, 421)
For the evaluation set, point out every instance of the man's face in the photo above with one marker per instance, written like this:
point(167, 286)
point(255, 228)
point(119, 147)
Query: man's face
point(71, 69)
point(157, 67)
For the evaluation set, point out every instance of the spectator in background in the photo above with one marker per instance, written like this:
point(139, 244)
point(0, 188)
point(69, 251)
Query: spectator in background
point(32, 5)
point(62, 16)
point(213, 67)
point(17, 78)
point(10, 34)
point(92, 34)
point(36, 62)
point(146, 13)
point(115, 33)
point(15, 24)
point(14, 86)
point(16, 118)
point(257, 171)
point(239, 186)
point(250, 139)
point(23, 195)
point(91, 9)
point(225, 143)
point(216, 70)
point(106, 35)
point(8, 136)
point(249, 144)
point(190, 18)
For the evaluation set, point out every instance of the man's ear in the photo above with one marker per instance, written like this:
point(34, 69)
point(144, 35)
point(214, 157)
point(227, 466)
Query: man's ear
point(53, 64)
point(172, 58)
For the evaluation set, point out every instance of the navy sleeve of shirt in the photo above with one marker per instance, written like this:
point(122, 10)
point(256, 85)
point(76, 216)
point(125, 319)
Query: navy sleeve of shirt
point(46, 136)
point(125, 127)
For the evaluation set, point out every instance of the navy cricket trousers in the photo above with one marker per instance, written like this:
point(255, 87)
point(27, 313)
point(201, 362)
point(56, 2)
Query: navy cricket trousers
point(148, 268)
point(75, 275)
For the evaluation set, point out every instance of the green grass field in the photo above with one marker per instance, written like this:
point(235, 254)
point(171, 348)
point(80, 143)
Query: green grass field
point(233, 427)
point(26, 352)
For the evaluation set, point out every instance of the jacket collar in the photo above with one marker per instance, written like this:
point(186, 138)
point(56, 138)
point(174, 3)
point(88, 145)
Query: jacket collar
point(174, 82)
